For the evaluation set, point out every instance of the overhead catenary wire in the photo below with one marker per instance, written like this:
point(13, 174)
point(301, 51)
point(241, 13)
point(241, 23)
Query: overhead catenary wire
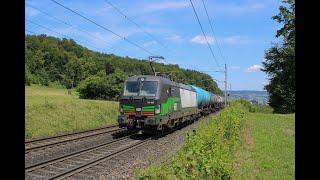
point(129, 19)
point(142, 29)
point(103, 27)
point(49, 29)
point(69, 24)
point(213, 34)
point(204, 34)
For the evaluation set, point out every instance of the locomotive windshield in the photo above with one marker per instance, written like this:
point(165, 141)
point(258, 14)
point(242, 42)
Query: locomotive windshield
point(148, 88)
point(142, 88)
point(131, 89)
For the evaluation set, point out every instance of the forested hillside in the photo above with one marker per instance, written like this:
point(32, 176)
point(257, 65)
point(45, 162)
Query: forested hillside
point(63, 62)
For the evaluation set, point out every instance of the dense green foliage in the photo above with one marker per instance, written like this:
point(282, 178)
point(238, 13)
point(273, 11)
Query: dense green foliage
point(280, 62)
point(63, 61)
point(102, 87)
point(256, 108)
point(208, 153)
point(51, 111)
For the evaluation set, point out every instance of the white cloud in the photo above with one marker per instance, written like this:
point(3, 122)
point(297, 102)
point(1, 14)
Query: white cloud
point(30, 12)
point(234, 67)
point(149, 43)
point(175, 38)
point(199, 39)
point(236, 9)
point(254, 68)
point(231, 40)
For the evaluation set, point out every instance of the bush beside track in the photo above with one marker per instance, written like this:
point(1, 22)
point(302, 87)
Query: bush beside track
point(51, 111)
point(208, 152)
point(245, 142)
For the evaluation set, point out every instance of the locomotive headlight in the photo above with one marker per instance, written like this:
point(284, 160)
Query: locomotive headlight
point(158, 109)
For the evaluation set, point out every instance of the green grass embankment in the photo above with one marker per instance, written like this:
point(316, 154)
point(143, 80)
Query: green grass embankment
point(51, 111)
point(238, 144)
point(208, 153)
point(267, 148)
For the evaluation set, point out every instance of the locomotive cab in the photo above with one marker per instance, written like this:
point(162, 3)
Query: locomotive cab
point(139, 102)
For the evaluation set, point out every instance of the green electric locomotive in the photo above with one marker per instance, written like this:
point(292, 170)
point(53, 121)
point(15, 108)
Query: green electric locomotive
point(154, 103)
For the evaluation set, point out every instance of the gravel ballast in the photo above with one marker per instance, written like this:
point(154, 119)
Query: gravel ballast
point(63, 149)
point(155, 151)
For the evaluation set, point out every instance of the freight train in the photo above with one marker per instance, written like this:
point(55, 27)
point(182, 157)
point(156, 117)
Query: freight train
point(154, 103)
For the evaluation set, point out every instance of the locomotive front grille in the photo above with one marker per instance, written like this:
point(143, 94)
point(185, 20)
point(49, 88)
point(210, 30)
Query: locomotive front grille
point(128, 110)
point(144, 111)
point(148, 110)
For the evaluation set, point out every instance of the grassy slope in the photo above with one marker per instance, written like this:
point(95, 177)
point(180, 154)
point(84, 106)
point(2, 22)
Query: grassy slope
point(50, 111)
point(267, 148)
point(207, 154)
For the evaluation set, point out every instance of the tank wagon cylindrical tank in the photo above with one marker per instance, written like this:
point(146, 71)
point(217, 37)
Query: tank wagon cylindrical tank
point(207, 101)
point(203, 96)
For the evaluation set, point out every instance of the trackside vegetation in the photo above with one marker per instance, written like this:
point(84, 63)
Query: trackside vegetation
point(245, 142)
point(208, 153)
point(254, 108)
point(50, 111)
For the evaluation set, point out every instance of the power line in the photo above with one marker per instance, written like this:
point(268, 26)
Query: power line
point(114, 33)
point(68, 24)
point(204, 35)
point(211, 26)
point(129, 19)
point(49, 29)
point(142, 29)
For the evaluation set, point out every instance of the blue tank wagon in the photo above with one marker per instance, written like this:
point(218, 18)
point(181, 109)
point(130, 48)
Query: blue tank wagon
point(207, 101)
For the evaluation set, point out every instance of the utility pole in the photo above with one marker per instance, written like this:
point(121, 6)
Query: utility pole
point(225, 85)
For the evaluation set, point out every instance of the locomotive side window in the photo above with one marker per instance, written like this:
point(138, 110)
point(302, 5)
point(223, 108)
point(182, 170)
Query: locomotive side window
point(169, 91)
point(172, 91)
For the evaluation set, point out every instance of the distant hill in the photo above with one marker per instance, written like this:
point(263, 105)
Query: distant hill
point(260, 97)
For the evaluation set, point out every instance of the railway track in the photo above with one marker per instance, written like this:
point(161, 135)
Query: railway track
point(36, 144)
point(69, 164)
point(75, 162)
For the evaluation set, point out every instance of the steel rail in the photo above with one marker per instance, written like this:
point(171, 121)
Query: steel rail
point(61, 141)
point(72, 154)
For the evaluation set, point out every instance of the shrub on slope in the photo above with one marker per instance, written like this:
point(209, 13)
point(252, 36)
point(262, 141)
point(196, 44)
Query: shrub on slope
point(208, 153)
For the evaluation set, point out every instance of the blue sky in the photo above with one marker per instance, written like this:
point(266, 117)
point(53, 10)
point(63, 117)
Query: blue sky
point(243, 30)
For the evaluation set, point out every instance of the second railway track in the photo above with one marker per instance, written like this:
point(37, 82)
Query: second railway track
point(36, 144)
point(76, 162)
point(72, 163)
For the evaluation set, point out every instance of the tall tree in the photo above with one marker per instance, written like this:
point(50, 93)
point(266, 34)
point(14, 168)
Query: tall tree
point(279, 62)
